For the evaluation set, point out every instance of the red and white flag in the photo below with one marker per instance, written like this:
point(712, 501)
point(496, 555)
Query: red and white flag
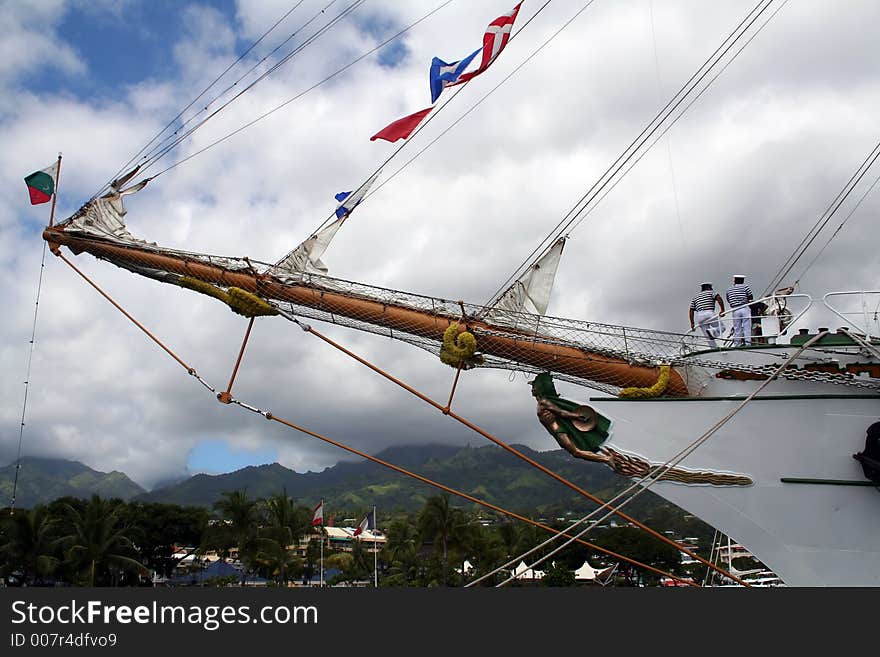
point(496, 37)
point(318, 514)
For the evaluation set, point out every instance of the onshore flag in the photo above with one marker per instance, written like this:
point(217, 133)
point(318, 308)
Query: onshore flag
point(369, 522)
point(318, 514)
point(41, 184)
point(443, 75)
point(401, 128)
point(496, 37)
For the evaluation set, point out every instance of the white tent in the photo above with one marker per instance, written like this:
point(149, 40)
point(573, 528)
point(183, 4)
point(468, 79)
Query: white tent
point(587, 573)
point(524, 572)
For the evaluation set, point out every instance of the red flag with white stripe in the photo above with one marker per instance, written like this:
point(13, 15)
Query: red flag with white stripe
point(496, 37)
point(318, 514)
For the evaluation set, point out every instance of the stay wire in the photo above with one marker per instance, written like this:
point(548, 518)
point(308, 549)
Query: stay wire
point(657, 472)
point(835, 233)
point(668, 140)
point(269, 416)
point(220, 95)
point(333, 22)
point(593, 205)
point(823, 220)
point(419, 128)
point(302, 93)
point(479, 102)
point(131, 161)
point(561, 227)
point(27, 380)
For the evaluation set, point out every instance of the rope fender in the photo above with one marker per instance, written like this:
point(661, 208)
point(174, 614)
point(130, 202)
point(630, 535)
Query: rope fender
point(459, 349)
point(654, 391)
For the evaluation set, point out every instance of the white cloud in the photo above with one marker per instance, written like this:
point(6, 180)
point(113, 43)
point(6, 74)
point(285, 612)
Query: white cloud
point(31, 43)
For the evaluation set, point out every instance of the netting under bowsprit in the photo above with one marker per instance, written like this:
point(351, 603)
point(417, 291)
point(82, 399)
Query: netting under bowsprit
point(603, 356)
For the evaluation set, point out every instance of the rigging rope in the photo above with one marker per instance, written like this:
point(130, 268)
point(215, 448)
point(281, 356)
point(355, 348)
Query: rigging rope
point(669, 126)
point(131, 161)
point(823, 220)
point(323, 30)
point(27, 379)
point(629, 152)
point(270, 416)
point(303, 93)
point(668, 140)
point(657, 472)
point(423, 125)
point(164, 142)
point(837, 231)
point(476, 104)
point(500, 443)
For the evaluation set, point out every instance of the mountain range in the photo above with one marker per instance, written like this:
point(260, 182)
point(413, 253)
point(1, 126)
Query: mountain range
point(486, 472)
point(42, 480)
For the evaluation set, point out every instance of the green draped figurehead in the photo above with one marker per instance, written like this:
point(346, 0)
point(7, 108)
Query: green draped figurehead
point(570, 423)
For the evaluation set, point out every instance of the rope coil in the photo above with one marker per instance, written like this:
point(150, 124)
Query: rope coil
point(459, 349)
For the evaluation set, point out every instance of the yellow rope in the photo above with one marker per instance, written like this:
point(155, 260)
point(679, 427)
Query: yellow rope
point(459, 349)
point(240, 301)
point(247, 304)
point(654, 391)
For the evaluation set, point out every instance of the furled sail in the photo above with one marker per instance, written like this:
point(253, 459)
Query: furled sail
point(530, 293)
point(105, 216)
point(306, 258)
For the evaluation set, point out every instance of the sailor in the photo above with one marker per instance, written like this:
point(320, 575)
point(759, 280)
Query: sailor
point(702, 311)
point(738, 296)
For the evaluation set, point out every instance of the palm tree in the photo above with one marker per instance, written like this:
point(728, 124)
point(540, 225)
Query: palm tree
point(286, 524)
point(240, 524)
point(401, 552)
point(440, 522)
point(30, 544)
point(96, 545)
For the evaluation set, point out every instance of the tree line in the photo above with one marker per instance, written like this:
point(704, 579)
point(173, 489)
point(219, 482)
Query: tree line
point(109, 542)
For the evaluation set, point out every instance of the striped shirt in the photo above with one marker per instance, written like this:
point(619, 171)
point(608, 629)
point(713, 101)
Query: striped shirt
point(738, 295)
point(705, 300)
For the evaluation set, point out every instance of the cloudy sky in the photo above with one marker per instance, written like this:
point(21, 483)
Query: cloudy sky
point(734, 187)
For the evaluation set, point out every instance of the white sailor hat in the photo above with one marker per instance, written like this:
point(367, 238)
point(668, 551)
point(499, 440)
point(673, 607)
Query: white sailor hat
point(742, 276)
point(705, 283)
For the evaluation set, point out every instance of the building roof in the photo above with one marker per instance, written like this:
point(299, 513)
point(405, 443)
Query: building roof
point(347, 534)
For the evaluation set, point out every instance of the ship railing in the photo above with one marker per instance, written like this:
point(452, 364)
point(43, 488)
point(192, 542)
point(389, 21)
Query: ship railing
point(770, 318)
point(860, 308)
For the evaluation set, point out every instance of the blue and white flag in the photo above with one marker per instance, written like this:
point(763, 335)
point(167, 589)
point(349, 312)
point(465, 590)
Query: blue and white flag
point(443, 75)
point(348, 201)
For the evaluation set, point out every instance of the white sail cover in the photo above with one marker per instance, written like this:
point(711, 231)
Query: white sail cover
point(105, 216)
point(306, 258)
point(530, 293)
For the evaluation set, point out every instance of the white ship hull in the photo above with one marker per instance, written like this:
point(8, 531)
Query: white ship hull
point(810, 534)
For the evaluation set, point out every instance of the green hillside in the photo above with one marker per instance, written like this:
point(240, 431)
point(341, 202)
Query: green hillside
point(42, 480)
point(485, 472)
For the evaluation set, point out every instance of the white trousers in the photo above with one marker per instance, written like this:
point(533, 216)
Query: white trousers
point(708, 322)
point(742, 326)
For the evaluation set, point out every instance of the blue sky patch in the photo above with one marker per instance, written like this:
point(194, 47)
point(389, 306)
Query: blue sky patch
point(216, 456)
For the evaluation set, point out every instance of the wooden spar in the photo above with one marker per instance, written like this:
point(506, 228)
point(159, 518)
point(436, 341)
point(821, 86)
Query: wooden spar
point(564, 359)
